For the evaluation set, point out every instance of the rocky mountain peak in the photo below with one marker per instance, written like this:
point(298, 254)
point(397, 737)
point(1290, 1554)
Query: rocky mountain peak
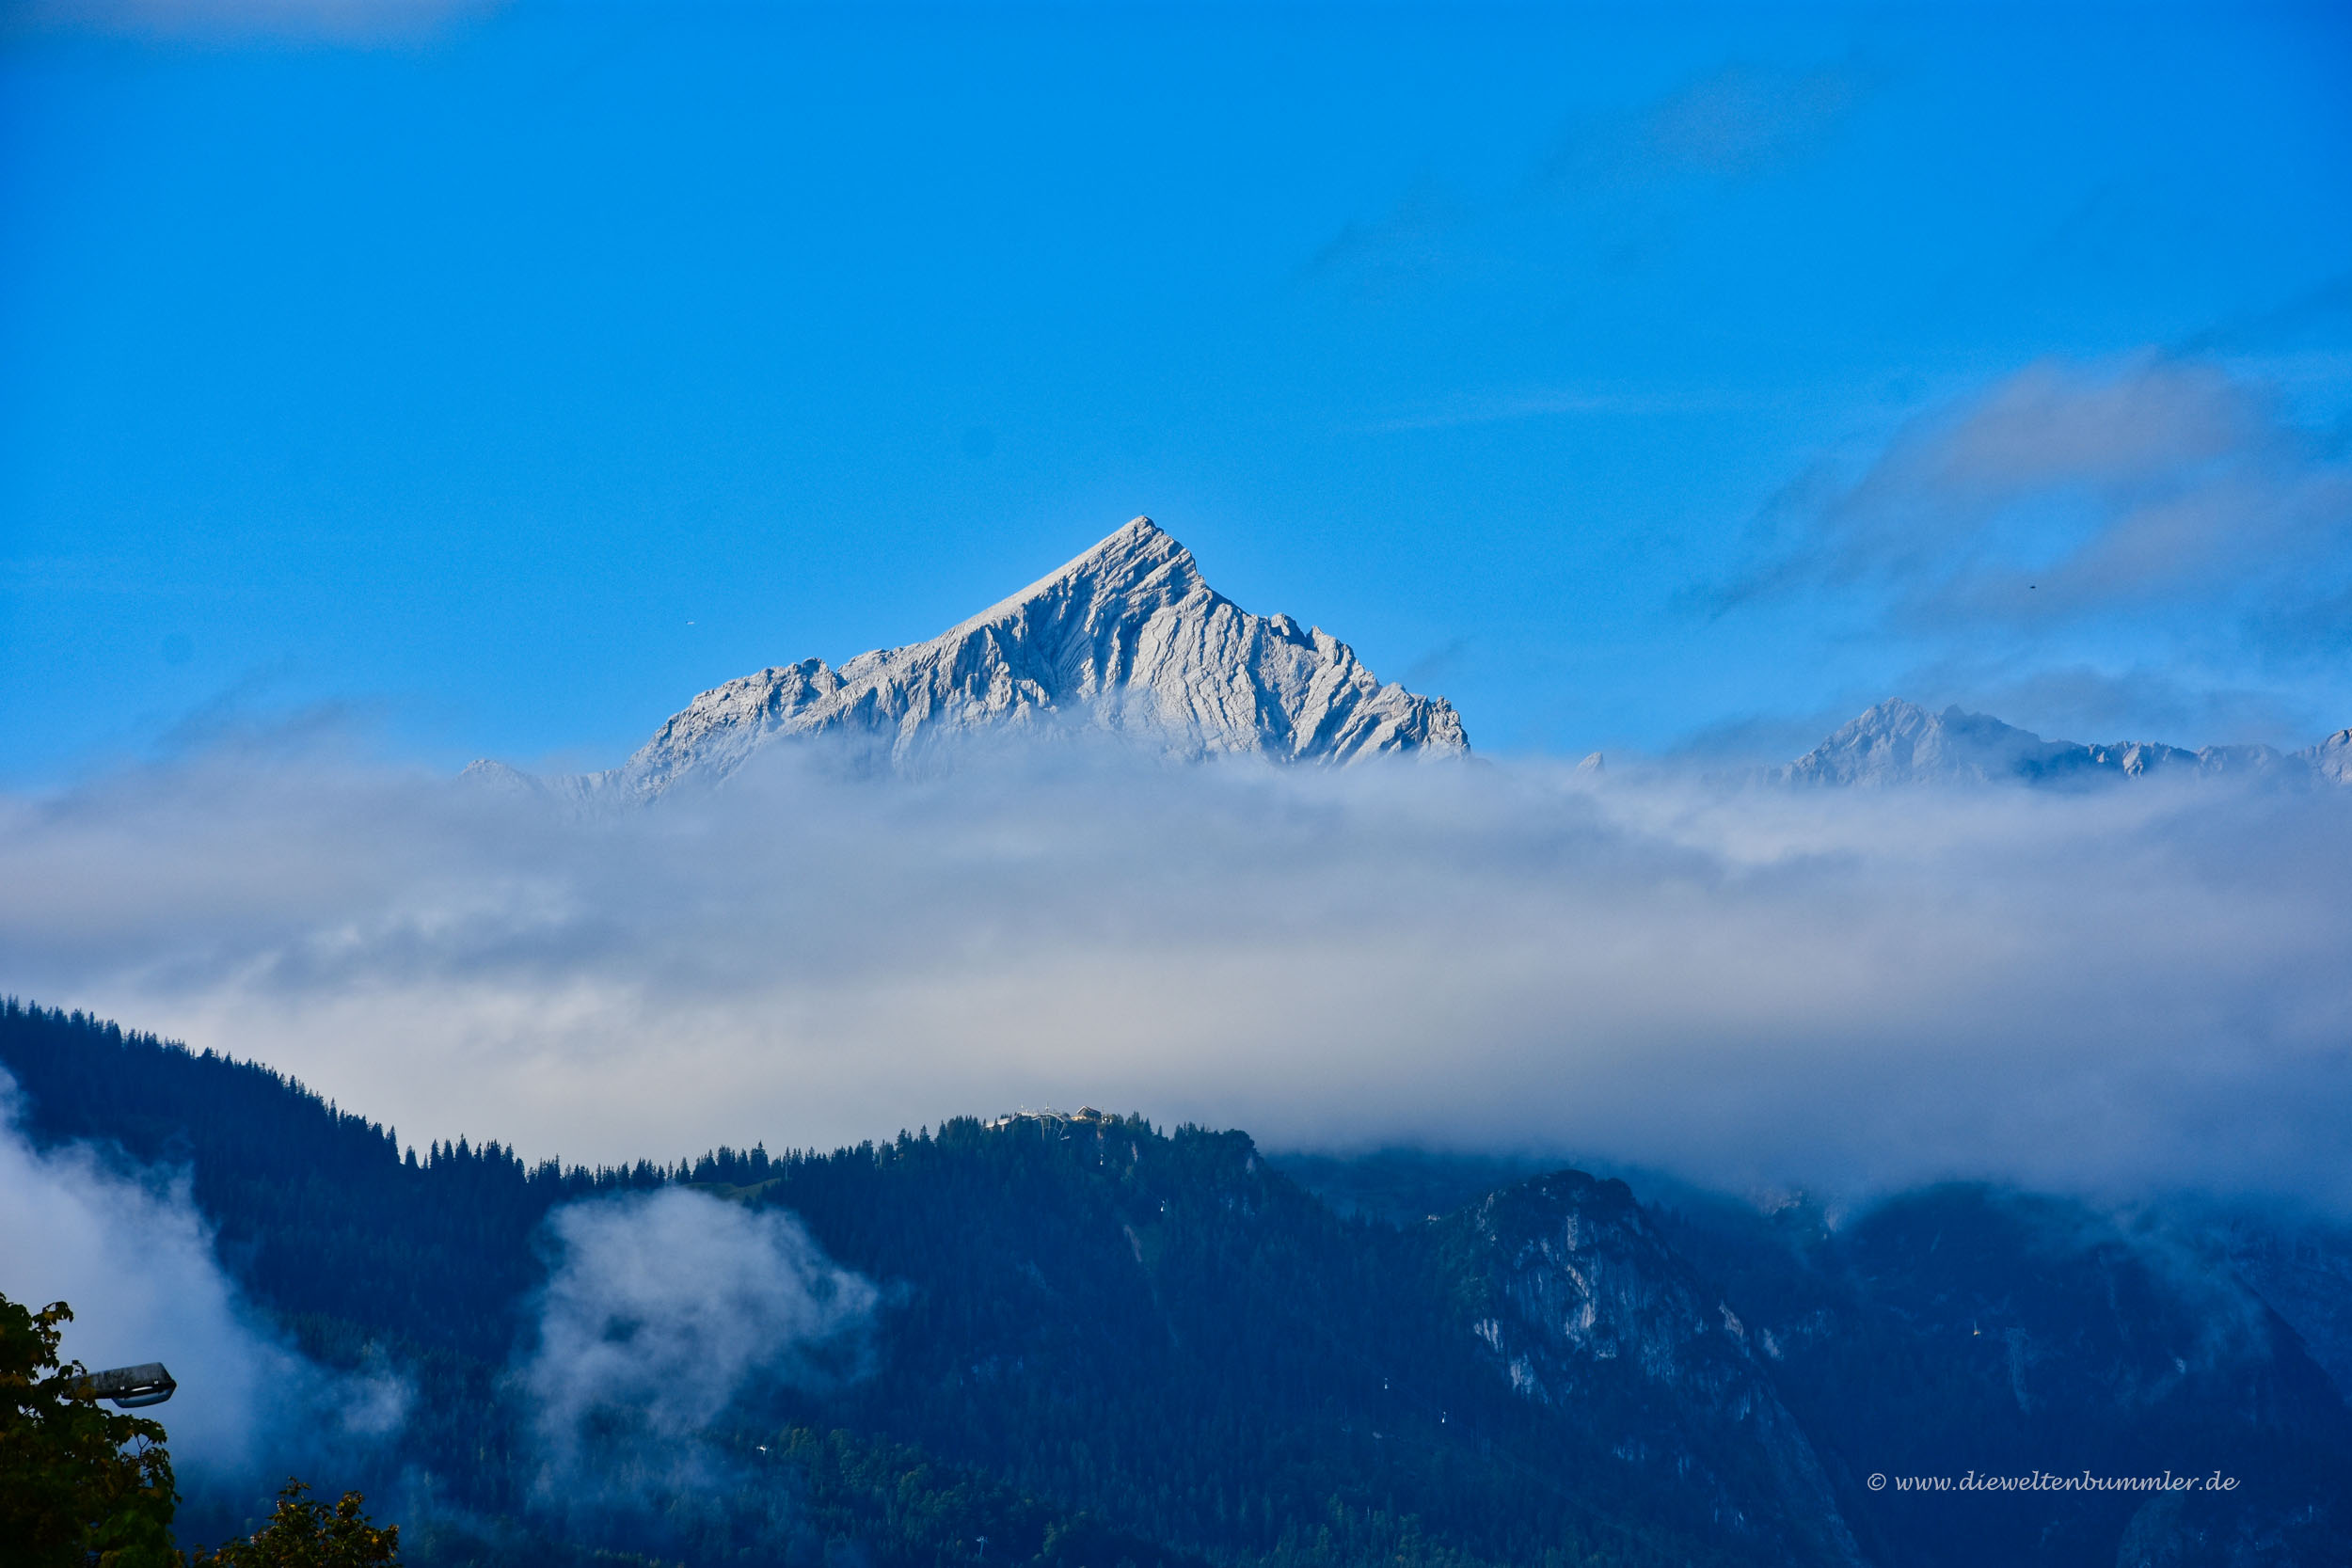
point(1134, 572)
point(1127, 638)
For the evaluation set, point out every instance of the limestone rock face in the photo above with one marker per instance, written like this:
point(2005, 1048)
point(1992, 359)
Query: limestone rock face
point(1582, 1305)
point(1128, 638)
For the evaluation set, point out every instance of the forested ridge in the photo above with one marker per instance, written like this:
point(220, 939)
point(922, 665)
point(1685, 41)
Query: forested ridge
point(318, 1210)
point(1103, 1342)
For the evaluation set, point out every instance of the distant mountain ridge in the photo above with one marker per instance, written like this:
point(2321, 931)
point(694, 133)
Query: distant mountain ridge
point(1899, 742)
point(1127, 638)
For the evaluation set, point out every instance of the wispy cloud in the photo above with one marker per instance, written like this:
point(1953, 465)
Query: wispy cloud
point(2137, 987)
point(2153, 544)
point(1544, 403)
point(339, 22)
point(1621, 172)
point(1739, 122)
point(1413, 235)
point(2068, 491)
point(129, 1253)
point(661, 1310)
point(2326, 307)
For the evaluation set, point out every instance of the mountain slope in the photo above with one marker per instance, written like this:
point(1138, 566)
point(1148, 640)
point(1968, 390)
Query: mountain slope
point(1967, 1327)
point(2331, 759)
point(1101, 1327)
point(1128, 638)
point(1583, 1305)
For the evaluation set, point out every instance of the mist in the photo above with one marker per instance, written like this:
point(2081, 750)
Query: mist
point(2117, 992)
point(128, 1252)
point(660, 1310)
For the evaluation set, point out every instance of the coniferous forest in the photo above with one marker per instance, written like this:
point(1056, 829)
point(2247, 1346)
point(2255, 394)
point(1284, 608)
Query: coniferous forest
point(1093, 1341)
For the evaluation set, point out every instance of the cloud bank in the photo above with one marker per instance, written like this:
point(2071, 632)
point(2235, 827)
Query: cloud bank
point(2123, 990)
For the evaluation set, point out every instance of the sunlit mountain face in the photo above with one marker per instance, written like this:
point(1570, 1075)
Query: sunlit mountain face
point(1127, 640)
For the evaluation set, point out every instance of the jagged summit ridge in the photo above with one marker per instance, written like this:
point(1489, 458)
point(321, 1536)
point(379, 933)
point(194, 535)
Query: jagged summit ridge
point(1901, 742)
point(1129, 637)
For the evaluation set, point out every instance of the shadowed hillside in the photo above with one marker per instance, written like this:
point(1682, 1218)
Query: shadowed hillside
point(1108, 1342)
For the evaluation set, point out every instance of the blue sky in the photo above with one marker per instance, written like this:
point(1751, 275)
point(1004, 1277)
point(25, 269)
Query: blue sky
point(1635, 378)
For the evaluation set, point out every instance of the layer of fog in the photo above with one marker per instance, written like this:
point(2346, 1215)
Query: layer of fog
point(2135, 989)
point(127, 1251)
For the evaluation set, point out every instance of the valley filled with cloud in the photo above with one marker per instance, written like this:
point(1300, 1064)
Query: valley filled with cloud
point(2127, 988)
